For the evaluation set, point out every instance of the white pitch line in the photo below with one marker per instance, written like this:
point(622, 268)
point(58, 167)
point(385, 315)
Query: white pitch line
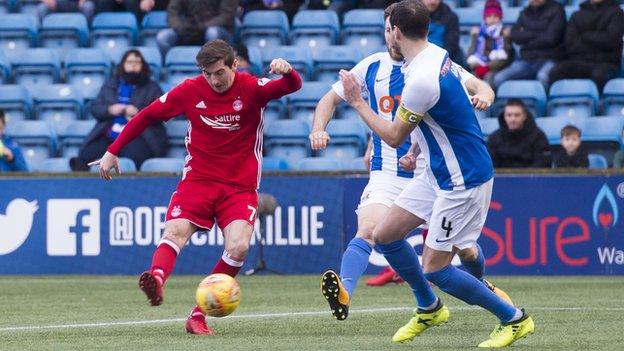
point(286, 314)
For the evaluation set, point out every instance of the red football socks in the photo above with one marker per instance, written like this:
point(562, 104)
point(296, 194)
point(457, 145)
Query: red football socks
point(228, 265)
point(164, 258)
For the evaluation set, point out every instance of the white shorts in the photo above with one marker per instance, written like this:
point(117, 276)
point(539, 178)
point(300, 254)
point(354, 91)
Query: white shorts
point(382, 188)
point(455, 217)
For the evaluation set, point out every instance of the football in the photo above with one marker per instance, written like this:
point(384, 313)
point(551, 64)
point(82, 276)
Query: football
point(218, 295)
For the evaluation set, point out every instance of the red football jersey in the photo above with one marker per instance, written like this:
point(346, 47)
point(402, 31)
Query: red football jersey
point(224, 139)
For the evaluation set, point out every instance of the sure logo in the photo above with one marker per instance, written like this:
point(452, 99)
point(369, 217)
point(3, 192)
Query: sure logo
point(73, 227)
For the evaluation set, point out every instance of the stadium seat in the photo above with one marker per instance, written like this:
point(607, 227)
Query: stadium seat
point(152, 57)
point(551, 126)
point(303, 102)
point(348, 140)
point(36, 66)
point(255, 59)
point(152, 22)
point(300, 57)
point(274, 164)
point(5, 68)
point(57, 103)
point(468, 17)
point(180, 63)
point(28, 7)
point(357, 164)
point(288, 140)
point(531, 92)
point(613, 98)
point(274, 110)
point(602, 135)
point(569, 10)
point(319, 164)
point(315, 28)
point(329, 61)
point(62, 31)
point(573, 97)
point(163, 164)
point(363, 29)
point(16, 103)
point(6, 6)
point(114, 31)
point(265, 29)
point(125, 164)
point(88, 69)
point(18, 31)
point(510, 15)
point(37, 140)
point(72, 136)
point(176, 134)
point(488, 126)
point(55, 165)
point(597, 161)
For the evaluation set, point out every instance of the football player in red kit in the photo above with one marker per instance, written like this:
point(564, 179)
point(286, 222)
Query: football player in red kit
point(222, 169)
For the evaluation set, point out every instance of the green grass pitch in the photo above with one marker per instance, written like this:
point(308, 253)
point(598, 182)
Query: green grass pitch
point(289, 313)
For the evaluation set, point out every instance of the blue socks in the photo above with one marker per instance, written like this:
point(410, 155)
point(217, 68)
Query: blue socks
point(403, 259)
point(477, 266)
point(469, 289)
point(354, 263)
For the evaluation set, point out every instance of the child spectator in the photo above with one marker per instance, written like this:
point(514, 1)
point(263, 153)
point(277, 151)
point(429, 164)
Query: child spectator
point(11, 158)
point(490, 49)
point(572, 155)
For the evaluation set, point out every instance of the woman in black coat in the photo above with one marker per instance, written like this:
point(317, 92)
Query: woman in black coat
point(122, 96)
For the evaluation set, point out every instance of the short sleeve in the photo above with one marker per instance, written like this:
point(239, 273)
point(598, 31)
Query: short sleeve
point(359, 71)
point(419, 95)
point(463, 74)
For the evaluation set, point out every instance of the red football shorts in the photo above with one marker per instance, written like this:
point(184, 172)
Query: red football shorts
point(204, 202)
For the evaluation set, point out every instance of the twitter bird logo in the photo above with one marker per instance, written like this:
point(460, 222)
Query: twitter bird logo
point(15, 225)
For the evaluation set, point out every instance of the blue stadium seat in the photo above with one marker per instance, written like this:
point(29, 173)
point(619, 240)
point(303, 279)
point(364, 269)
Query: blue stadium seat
point(288, 140)
point(315, 28)
point(55, 165)
point(6, 6)
point(57, 103)
point(488, 126)
point(551, 126)
point(531, 92)
point(603, 128)
point(176, 134)
point(18, 31)
point(265, 29)
point(511, 14)
point(329, 61)
point(28, 7)
point(348, 140)
point(72, 136)
point(299, 57)
point(63, 31)
point(37, 140)
point(163, 164)
point(597, 161)
point(613, 98)
point(152, 22)
point(180, 63)
point(36, 66)
point(274, 164)
point(114, 31)
point(363, 29)
point(125, 164)
point(274, 110)
point(303, 102)
point(319, 164)
point(357, 164)
point(255, 59)
point(152, 57)
point(88, 69)
point(5, 68)
point(573, 97)
point(16, 103)
point(468, 17)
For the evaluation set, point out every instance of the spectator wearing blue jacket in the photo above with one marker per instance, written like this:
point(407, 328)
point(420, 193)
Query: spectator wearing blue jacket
point(11, 157)
point(444, 30)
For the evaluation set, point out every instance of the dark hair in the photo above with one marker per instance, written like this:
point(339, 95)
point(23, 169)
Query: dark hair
point(241, 51)
point(569, 130)
point(411, 17)
point(2, 118)
point(145, 69)
point(517, 102)
point(214, 51)
point(388, 10)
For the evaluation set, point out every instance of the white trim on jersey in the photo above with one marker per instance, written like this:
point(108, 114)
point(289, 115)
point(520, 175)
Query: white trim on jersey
point(452, 163)
point(258, 145)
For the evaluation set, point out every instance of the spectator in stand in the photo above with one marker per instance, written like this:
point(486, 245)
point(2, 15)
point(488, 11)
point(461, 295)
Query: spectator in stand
point(242, 57)
point(593, 42)
point(490, 49)
point(138, 7)
point(11, 157)
point(539, 33)
point(290, 7)
point(518, 143)
point(444, 29)
point(342, 6)
point(618, 158)
point(194, 22)
point(125, 93)
point(572, 155)
point(86, 7)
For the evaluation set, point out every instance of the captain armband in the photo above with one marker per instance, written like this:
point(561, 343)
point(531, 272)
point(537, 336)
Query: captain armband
point(408, 116)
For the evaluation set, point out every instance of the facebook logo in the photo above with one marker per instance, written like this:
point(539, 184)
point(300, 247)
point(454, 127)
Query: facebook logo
point(73, 227)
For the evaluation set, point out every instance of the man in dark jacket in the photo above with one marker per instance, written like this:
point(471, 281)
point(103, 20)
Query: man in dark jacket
point(593, 42)
point(518, 143)
point(444, 29)
point(194, 22)
point(539, 33)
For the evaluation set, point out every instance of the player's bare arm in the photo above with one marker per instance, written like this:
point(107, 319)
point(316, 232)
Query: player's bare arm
point(394, 133)
point(481, 95)
point(322, 115)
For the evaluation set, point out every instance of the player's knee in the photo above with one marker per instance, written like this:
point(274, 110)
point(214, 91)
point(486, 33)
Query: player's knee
point(175, 236)
point(366, 233)
point(469, 254)
point(381, 238)
point(238, 250)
